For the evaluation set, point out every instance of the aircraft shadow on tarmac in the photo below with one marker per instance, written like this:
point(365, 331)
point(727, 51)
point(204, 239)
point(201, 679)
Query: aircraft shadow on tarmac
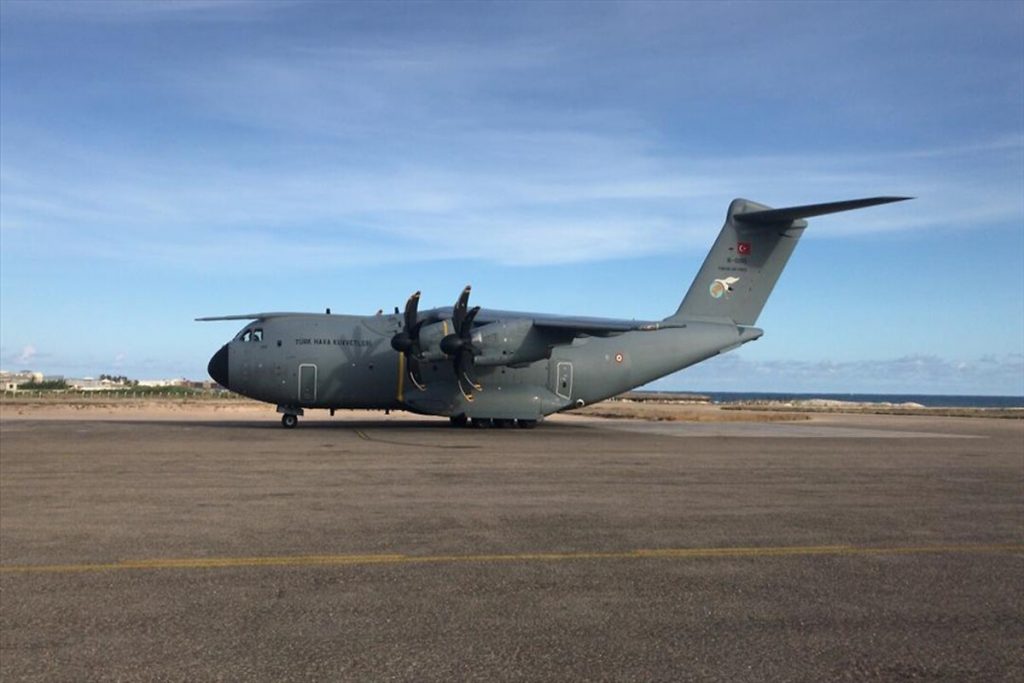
point(321, 425)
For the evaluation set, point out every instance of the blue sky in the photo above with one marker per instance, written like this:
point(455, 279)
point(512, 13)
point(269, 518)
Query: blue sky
point(165, 160)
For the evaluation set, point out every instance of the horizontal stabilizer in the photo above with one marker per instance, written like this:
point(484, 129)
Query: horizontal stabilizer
point(793, 213)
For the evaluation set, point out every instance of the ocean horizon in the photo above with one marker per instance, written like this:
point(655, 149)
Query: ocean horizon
point(927, 400)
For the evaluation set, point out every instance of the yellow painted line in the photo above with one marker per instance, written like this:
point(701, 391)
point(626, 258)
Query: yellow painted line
point(663, 553)
point(400, 394)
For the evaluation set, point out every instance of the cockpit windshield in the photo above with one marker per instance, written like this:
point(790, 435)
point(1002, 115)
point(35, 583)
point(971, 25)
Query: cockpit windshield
point(251, 335)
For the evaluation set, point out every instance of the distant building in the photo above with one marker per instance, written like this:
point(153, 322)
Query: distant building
point(163, 382)
point(21, 377)
point(86, 384)
point(11, 381)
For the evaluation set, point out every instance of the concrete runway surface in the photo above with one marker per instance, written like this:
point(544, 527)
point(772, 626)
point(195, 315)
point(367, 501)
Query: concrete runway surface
point(841, 548)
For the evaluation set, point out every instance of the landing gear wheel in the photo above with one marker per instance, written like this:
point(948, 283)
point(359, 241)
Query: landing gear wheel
point(526, 424)
point(504, 424)
point(481, 422)
point(289, 421)
point(459, 420)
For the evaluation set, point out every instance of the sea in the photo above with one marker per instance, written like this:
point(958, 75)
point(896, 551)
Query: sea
point(927, 400)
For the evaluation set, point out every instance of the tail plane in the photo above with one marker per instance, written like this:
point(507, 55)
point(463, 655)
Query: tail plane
point(746, 260)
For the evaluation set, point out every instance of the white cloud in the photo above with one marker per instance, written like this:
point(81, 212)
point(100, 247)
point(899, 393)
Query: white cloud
point(28, 352)
point(516, 143)
point(531, 199)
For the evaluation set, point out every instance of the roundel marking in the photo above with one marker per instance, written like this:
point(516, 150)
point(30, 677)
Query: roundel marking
point(722, 287)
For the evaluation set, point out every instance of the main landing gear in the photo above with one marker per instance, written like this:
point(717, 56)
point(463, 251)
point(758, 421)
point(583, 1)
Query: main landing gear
point(487, 423)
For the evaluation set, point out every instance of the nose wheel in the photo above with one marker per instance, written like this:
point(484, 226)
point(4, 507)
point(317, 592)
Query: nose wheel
point(289, 421)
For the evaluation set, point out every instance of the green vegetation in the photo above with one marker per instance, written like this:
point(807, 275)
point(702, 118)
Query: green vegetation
point(58, 385)
point(160, 391)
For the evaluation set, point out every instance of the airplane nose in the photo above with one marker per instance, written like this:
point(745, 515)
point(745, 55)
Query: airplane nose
point(218, 367)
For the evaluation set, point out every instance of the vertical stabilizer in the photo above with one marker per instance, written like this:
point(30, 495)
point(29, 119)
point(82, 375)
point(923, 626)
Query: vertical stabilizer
point(746, 260)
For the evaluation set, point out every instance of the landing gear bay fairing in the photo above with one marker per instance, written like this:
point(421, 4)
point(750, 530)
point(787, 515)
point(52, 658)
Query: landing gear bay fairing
point(504, 368)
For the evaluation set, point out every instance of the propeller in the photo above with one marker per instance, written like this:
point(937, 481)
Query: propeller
point(407, 342)
point(459, 344)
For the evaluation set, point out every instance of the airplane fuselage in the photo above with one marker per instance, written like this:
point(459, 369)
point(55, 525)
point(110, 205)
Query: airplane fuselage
point(341, 361)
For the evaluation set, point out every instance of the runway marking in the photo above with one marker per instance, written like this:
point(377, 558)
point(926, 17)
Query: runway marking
point(360, 560)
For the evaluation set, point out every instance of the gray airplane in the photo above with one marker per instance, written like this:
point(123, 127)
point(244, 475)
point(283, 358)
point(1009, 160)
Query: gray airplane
point(503, 368)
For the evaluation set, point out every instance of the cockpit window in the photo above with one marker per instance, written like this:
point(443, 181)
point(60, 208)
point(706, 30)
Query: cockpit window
point(251, 335)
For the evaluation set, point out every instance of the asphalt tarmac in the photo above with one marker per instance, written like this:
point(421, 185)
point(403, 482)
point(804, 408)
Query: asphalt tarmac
point(842, 548)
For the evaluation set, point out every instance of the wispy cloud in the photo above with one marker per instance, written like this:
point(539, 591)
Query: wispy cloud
point(121, 12)
point(27, 354)
point(23, 358)
point(400, 144)
point(589, 200)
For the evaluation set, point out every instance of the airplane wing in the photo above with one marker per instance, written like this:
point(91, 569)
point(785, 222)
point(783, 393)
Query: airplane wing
point(575, 326)
point(253, 316)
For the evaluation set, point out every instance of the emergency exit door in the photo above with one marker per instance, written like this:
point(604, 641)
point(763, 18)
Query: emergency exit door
point(563, 380)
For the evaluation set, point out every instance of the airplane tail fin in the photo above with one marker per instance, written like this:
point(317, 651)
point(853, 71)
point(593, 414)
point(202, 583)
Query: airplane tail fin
point(746, 260)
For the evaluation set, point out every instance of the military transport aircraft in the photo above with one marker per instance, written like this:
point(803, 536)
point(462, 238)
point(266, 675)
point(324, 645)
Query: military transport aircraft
point(502, 368)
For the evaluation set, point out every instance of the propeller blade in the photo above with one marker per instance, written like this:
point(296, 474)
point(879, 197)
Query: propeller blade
point(459, 345)
point(466, 395)
point(415, 334)
point(407, 341)
point(462, 363)
point(467, 323)
point(459, 312)
point(411, 309)
point(460, 375)
point(414, 373)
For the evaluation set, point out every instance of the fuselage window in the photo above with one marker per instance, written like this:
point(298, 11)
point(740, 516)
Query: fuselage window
point(246, 336)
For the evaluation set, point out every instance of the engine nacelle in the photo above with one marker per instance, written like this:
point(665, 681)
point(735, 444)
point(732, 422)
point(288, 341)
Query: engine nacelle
point(509, 342)
point(430, 340)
